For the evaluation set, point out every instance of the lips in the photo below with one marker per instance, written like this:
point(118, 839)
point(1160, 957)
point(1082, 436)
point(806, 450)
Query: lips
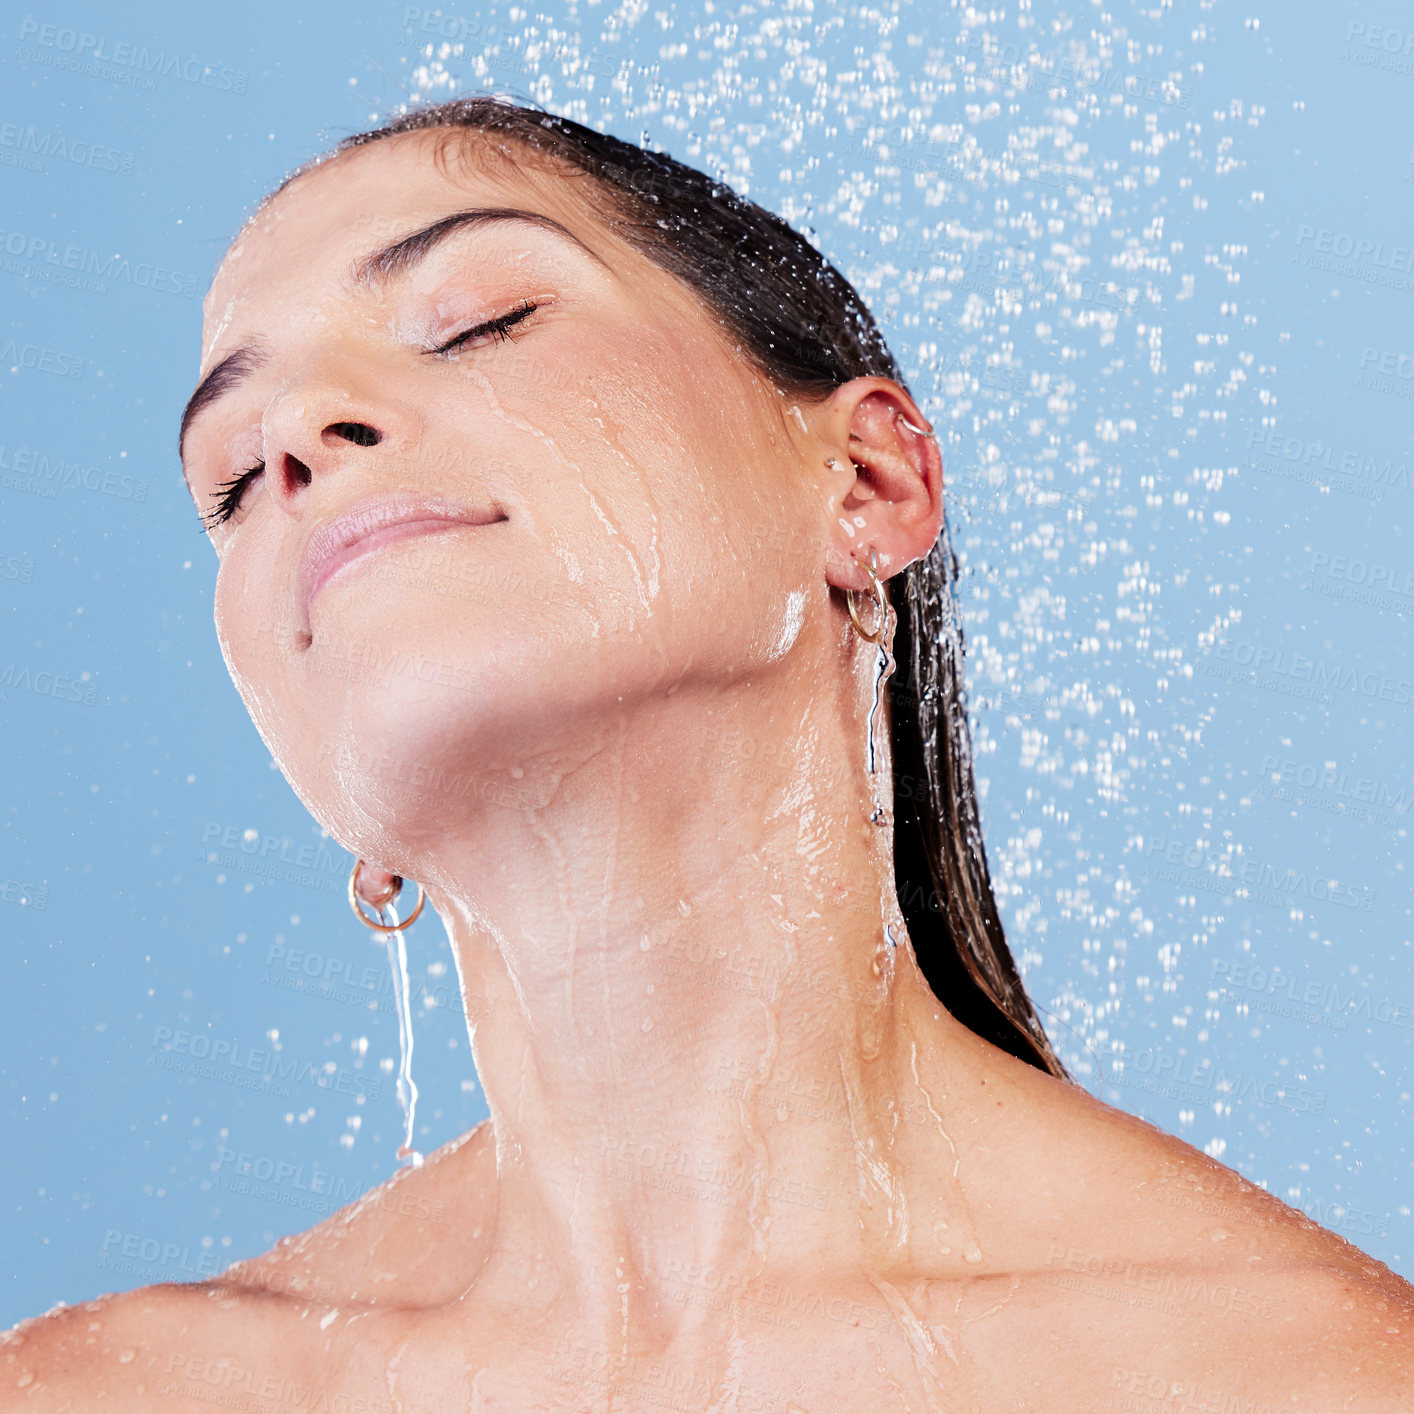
point(373, 523)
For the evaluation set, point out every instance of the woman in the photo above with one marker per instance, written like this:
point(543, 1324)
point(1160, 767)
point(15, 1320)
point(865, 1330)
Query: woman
point(772, 1123)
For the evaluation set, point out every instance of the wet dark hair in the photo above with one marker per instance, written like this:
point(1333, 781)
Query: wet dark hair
point(805, 329)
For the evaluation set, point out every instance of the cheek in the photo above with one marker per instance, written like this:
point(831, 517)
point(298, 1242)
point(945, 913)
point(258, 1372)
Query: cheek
point(249, 629)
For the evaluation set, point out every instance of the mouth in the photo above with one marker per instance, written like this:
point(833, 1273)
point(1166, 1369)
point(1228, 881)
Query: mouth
point(368, 527)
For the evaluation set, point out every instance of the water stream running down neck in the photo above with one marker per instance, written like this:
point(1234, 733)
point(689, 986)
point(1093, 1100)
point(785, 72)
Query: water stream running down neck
point(883, 670)
point(407, 1090)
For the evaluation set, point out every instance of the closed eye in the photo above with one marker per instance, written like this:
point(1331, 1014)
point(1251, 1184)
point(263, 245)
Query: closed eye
point(498, 329)
point(228, 497)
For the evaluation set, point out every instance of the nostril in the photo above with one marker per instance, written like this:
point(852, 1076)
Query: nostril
point(359, 433)
point(296, 472)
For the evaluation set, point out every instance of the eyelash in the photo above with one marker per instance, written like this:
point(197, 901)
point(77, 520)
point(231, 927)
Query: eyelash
point(228, 497)
point(228, 494)
point(499, 328)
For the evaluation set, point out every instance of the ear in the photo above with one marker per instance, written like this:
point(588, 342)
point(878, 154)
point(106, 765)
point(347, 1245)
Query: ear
point(886, 484)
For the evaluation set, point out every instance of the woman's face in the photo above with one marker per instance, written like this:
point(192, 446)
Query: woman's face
point(594, 497)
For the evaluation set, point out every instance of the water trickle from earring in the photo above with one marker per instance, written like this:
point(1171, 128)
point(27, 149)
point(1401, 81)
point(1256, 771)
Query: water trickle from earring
point(883, 671)
point(392, 931)
point(407, 1088)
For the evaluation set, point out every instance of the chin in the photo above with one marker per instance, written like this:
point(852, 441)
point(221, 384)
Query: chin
point(396, 746)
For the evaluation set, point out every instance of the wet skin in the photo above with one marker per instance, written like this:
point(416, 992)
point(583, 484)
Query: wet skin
point(738, 1153)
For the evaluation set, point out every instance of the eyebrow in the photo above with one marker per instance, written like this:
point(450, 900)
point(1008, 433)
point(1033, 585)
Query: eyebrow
point(232, 371)
point(368, 272)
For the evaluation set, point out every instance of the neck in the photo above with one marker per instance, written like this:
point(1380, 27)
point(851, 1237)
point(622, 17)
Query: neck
point(703, 1038)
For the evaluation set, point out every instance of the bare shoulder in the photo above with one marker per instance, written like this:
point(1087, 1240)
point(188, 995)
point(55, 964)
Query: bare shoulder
point(135, 1350)
point(1208, 1286)
point(399, 1245)
point(1085, 1168)
point(1299, 1337)
point(252, 1335)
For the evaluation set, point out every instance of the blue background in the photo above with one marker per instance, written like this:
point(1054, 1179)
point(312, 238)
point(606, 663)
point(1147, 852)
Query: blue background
point(1148, 271)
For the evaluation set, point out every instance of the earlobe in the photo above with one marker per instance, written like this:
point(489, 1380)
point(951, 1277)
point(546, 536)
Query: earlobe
point(876, 592)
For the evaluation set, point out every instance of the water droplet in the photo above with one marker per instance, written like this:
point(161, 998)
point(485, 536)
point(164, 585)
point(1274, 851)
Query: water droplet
point(127, 1357)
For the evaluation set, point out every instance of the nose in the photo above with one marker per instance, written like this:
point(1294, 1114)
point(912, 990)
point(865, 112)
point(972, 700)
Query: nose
point(289, 473)
point(310, 432)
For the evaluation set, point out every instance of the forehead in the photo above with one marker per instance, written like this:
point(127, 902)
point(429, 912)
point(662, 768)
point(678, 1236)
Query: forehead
point(302, 242)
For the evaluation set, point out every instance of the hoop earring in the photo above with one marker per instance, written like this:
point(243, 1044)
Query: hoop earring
point(385, 898)
point(876, 591)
